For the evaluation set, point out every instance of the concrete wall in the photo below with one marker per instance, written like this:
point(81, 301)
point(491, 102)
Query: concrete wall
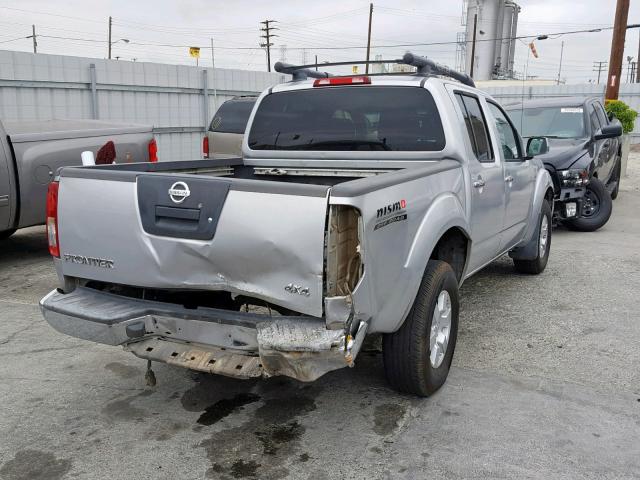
point(177, 100)
point(629, 93)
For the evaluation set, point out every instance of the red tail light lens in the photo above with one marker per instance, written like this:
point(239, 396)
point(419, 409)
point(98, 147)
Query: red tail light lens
point(153, 150)
point(331, 81)
point(52, 219)
point(205, 147)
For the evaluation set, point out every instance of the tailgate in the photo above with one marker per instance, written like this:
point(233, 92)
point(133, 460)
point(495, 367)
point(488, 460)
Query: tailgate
point(188, 232)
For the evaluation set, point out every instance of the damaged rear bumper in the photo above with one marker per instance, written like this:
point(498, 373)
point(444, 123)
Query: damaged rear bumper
point(236, 344)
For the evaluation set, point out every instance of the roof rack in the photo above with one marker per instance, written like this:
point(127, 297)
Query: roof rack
point(425, 67)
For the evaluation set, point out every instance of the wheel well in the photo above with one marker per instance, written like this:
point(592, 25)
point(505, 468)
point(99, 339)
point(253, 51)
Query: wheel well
point(452, 248)
point(549, 195)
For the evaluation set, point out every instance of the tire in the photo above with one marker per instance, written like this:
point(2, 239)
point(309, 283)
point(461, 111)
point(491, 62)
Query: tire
point(543, 240)
point(616, 177)
point(598, 210)
point(411, 364)
point(7, 233)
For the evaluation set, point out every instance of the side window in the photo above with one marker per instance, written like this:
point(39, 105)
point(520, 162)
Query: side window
point(593, 119)
point(602, 116)
point(507, 136)
point(476, 127)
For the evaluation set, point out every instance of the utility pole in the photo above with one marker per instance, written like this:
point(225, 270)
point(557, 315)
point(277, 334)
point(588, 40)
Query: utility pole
point(473, 44)
point(560, 68)
point(268, 36)
point(599, 67)
point(213, 75)
point(366, 68)
point(33, 35)
point(617, 50)
point(316, 63)
point(638, 70)
point(110, 22)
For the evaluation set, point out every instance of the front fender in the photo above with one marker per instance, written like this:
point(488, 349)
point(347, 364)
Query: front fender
point(523, 250)
point(444, 213)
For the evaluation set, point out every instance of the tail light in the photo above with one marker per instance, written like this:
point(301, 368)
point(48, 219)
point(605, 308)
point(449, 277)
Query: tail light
point(205, 147)
point(153, 151)
point(52, 219)
point(331, 81)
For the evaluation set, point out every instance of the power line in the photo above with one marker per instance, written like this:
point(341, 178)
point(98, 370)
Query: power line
point(13, 39)
point(360, 47)
point(50, 14)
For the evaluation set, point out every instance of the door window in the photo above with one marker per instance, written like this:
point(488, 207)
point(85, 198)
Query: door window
point(476, 127)
point(593, 119)
point(602, 116)
point(507, 136)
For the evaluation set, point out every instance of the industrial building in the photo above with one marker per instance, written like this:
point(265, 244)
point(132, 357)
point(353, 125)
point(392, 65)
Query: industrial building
point(486, 48)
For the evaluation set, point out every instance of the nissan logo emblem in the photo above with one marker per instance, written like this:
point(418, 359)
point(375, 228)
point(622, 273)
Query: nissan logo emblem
point(178, 192)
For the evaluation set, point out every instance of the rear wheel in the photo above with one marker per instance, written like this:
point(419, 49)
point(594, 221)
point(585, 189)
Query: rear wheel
point(417, 357)
point(7, 233)
point(596, 208)
point(543, 237)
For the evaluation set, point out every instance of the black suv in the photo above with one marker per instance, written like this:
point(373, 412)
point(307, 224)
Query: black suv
point(580, 147)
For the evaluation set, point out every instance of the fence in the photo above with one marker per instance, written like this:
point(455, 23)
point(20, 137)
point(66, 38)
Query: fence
point(629, 93)
point(177, 100)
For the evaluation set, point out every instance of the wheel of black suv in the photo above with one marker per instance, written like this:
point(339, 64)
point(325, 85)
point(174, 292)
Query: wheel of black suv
point(596, 208)
point(616, 178)
point(543, 237)
point(6, 234)
point(417, 357)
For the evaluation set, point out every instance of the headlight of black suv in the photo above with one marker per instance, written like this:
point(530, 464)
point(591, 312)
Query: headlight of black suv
point(574, 177)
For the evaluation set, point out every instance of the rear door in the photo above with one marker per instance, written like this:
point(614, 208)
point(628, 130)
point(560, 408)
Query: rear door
point(487, 188)
point(163, 231)
point(519, 176)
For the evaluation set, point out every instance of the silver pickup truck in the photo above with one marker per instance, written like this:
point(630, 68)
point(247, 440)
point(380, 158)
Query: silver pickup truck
point(32, 151)
point(360, 205)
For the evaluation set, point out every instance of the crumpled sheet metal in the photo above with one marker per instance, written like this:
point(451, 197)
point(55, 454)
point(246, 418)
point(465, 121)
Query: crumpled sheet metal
point(305, 352)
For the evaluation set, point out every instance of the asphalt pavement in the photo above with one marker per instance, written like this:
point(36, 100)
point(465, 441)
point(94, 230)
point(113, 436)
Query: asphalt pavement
point(545, 384)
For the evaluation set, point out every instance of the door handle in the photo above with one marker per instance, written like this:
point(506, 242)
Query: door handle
point(508, 179)
point(479, 183)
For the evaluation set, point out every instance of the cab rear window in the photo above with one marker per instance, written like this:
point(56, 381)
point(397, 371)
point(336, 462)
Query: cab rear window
point(362, 118)
point(232, 116)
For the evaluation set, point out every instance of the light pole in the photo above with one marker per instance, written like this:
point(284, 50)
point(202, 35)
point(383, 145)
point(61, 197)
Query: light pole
point(111, 44)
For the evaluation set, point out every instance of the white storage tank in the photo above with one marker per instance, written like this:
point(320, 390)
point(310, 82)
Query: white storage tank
point(495, 32)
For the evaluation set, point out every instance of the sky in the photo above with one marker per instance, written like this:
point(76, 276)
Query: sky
point(334, 30)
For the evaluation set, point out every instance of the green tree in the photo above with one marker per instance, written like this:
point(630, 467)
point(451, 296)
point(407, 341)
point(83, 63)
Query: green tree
point(622, 111)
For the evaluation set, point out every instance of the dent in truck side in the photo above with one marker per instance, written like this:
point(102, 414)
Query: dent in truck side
point(398, 242)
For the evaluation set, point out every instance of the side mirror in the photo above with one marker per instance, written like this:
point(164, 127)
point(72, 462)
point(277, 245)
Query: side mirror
point(537, 146)
point(609, 131)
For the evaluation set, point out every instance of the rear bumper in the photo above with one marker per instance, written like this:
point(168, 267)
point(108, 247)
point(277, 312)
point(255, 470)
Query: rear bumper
point(236, 344)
